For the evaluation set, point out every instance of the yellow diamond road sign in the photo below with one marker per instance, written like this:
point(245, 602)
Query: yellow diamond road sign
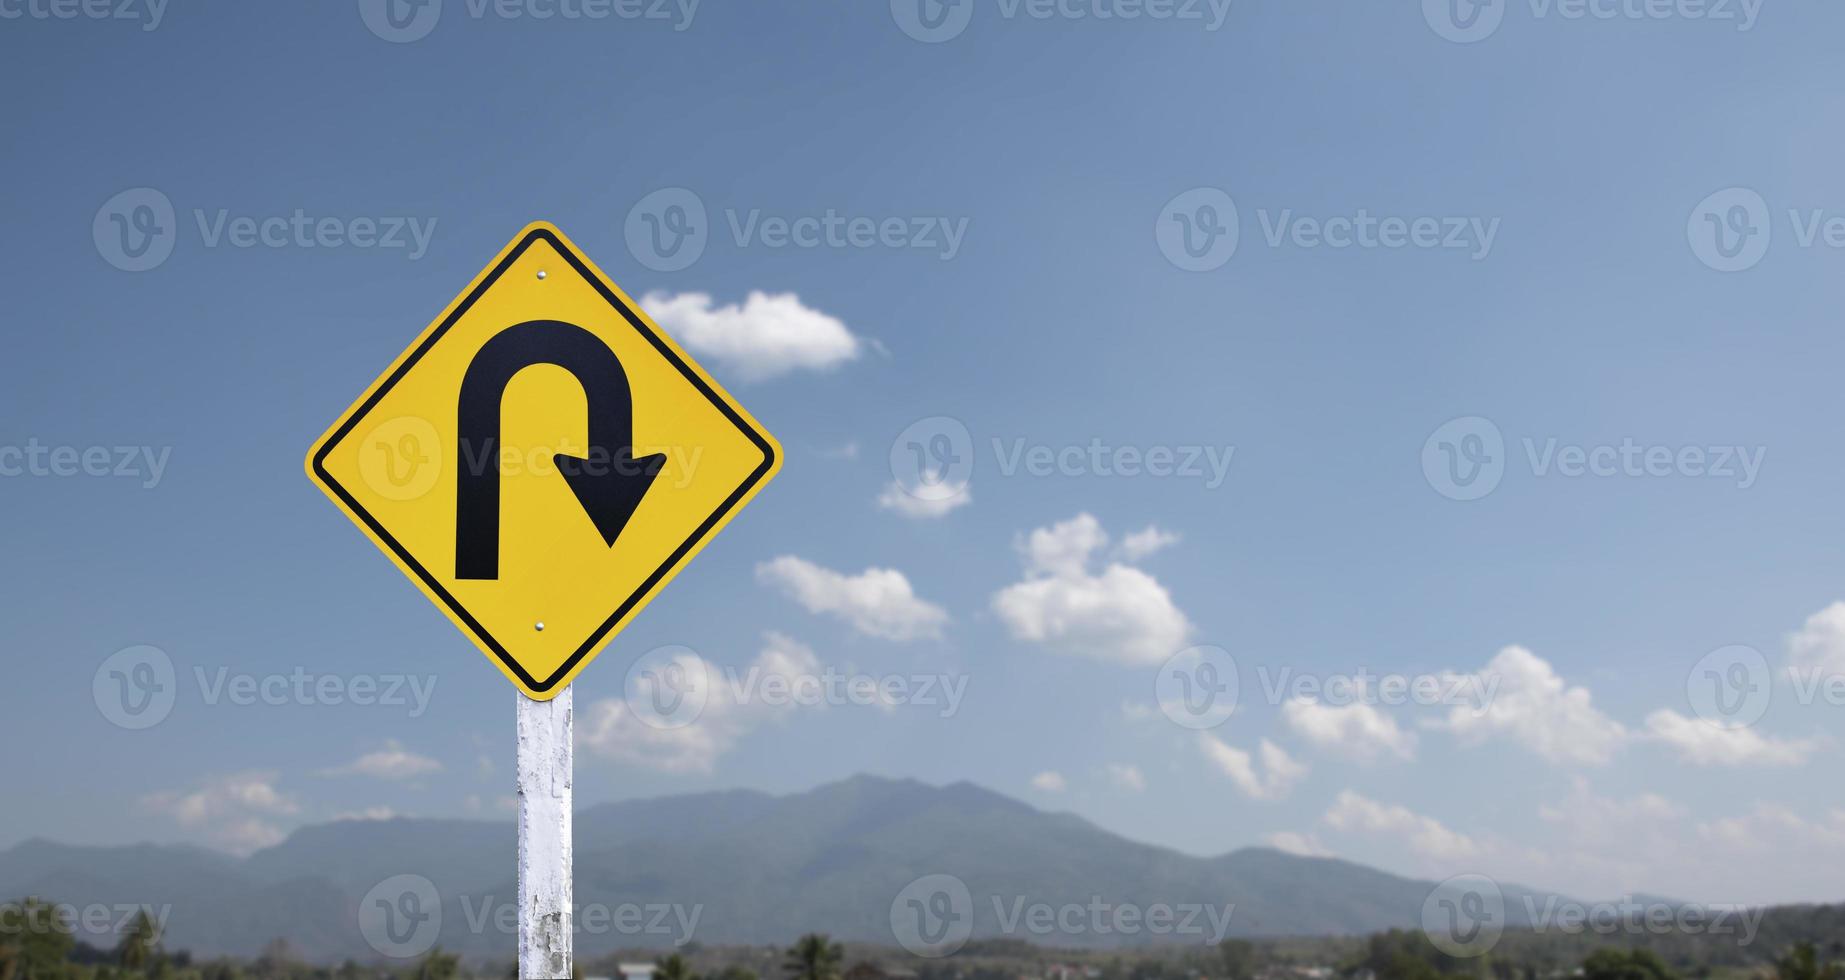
point(542, 460)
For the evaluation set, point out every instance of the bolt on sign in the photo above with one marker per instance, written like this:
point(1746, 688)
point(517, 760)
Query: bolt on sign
point(542, 460)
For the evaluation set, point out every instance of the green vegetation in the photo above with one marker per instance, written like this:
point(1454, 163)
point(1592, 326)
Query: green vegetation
point(1795, 943)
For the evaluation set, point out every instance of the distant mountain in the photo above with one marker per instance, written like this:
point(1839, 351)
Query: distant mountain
point(756, 868)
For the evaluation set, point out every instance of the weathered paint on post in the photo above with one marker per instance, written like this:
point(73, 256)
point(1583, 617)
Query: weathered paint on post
point(544, 837)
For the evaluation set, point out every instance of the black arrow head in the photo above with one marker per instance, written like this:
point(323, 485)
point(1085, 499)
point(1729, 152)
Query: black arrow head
point(610, 488)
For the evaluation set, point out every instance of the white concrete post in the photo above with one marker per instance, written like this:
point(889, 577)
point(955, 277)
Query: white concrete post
point(544, 837)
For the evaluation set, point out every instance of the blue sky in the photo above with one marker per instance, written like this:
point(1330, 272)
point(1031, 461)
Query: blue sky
point(1047, 305)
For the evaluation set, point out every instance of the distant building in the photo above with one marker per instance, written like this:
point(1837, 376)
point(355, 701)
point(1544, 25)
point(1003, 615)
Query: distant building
point(636, 971)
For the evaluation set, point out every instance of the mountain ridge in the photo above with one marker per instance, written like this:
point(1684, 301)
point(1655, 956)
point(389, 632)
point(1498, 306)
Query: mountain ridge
point(732, 866)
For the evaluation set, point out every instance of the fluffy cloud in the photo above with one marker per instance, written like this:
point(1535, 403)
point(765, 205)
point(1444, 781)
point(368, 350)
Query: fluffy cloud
point(1142, 543)
point(232, 812)
point(902, 502)
point(1121, 615)
point(613, 730)
point(392, 762)
point(369, 813)
point(767, 336)
point(877, 602)
point(1426, 836)
point(1127, 777)
point(1298, 844)
point(1048, 782)
point(1704, 743)
point(1279, 770)
point(1771, 828)
point(1533, 707)
point(1819, 646)
point(1357, 731)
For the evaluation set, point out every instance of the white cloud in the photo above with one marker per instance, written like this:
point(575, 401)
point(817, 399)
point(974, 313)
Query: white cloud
point(1127, 777)
point(1357, 814)
point(895, 498)
point(1771, 828)
point(765, 337)
point(1298, 844)
point(1140, 544)
point(1280, 771)
point(1048, 782)
point(1704, 743)
point(1819, 646)
point(369, 813)
point(1358, 731)
point(1533, 707)
point(1122, 615)
point(1603, 826)
point(508, 804)
point(392, 762)
point(1063, 549)
point(877, 602)
point(231, 812)
point(611, 729)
